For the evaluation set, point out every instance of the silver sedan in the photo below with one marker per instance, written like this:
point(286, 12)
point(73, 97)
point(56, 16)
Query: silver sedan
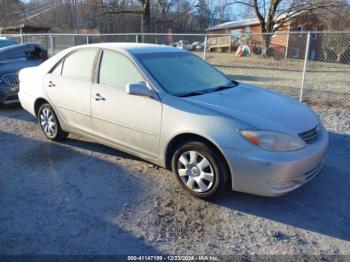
point(171, 108)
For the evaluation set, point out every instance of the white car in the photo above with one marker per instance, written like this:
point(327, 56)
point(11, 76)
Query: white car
point(197, 46)
point(183, 44)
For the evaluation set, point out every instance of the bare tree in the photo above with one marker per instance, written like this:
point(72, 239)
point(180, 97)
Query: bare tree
point(336, 46)
point(118, 7)
point(203, 13)
point(275, 14)
point(108, 16)
point(164, 13)
point(9, 11)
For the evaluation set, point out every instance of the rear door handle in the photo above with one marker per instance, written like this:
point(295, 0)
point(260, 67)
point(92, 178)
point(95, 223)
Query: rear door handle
point(98, 97)
point(51, 84)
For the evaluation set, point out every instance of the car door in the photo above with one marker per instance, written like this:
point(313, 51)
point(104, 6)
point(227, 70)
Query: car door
point(69, 88)
point(129, 121)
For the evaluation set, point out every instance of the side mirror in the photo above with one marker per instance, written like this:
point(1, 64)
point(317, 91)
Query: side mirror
point(139, 89)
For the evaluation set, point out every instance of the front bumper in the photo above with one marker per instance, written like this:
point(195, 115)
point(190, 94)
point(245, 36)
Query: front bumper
point(267, 173)
point(9, 94)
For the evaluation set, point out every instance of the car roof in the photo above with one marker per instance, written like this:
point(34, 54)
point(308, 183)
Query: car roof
point(137, 48)
point(133, 48)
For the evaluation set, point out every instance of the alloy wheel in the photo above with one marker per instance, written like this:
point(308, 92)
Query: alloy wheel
point(48, 122)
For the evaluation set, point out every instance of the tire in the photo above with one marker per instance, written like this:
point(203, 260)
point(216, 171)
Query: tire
point(191, 160)
point(49, 123)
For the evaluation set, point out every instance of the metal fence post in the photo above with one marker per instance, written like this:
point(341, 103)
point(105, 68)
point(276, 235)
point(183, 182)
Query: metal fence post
point(22, 37)
point(51, 45)
point(287, 46)
point(136, 38)
point(305, 66)
point(229, 44)
point(87, 39)
point(205, 47)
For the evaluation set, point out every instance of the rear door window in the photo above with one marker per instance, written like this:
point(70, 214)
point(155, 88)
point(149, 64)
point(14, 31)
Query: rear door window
point(58, 69)
point(79, 65)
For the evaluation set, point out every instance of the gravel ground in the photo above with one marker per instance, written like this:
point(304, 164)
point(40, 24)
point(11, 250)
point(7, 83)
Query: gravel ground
point(79, 197)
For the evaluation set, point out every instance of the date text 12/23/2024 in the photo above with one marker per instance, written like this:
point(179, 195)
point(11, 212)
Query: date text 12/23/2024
point(172, 258)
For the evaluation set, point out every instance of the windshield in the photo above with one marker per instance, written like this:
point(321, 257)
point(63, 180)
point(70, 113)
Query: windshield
point(183, 74)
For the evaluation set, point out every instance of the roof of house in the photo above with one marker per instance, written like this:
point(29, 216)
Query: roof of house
point(234, 24)
point(248, 22)
point(25, 27)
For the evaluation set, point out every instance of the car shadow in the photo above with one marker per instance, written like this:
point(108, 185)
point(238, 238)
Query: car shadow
point(15, 111)
point(75, 141)
point(56, 200)
point(321, 206)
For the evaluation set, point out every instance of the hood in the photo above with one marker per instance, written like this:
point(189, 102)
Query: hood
point(16, 65)
point(27, 51)
point(6, 42)
point(260, 108)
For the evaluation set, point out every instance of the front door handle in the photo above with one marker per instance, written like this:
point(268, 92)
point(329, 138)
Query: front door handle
point(51, 84)
point(98, 97)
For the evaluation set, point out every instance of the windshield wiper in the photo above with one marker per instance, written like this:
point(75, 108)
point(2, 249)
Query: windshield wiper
point(195, 93)
point(222, 87)
point(218, 88)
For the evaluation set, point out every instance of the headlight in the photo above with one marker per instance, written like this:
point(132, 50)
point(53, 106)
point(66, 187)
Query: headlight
point(273, 141)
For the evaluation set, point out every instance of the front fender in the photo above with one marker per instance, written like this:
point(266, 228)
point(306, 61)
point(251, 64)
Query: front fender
point(181, 117)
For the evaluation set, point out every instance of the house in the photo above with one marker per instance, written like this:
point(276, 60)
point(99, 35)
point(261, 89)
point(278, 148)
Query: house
point(25, 27)
point(26, 32)
point(288, 41)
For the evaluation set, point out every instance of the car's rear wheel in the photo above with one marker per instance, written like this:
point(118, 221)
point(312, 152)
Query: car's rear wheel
point(49, 123)
point(200, 169)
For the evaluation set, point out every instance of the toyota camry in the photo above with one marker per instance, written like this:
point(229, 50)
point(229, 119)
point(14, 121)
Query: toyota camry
point(171, 108)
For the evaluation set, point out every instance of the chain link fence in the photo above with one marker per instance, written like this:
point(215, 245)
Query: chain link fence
point(313, 67)
point(327, 73)
point(247, 58)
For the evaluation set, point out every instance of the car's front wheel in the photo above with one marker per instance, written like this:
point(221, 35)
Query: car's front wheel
point(200, 169)
point(49, 123)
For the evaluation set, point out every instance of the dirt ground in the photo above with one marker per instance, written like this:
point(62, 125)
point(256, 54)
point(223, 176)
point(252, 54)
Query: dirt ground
point(78, 197)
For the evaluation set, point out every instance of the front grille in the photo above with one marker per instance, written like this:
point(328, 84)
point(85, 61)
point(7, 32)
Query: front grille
point(10, 79)
point(310, 135)
point(12, 98)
